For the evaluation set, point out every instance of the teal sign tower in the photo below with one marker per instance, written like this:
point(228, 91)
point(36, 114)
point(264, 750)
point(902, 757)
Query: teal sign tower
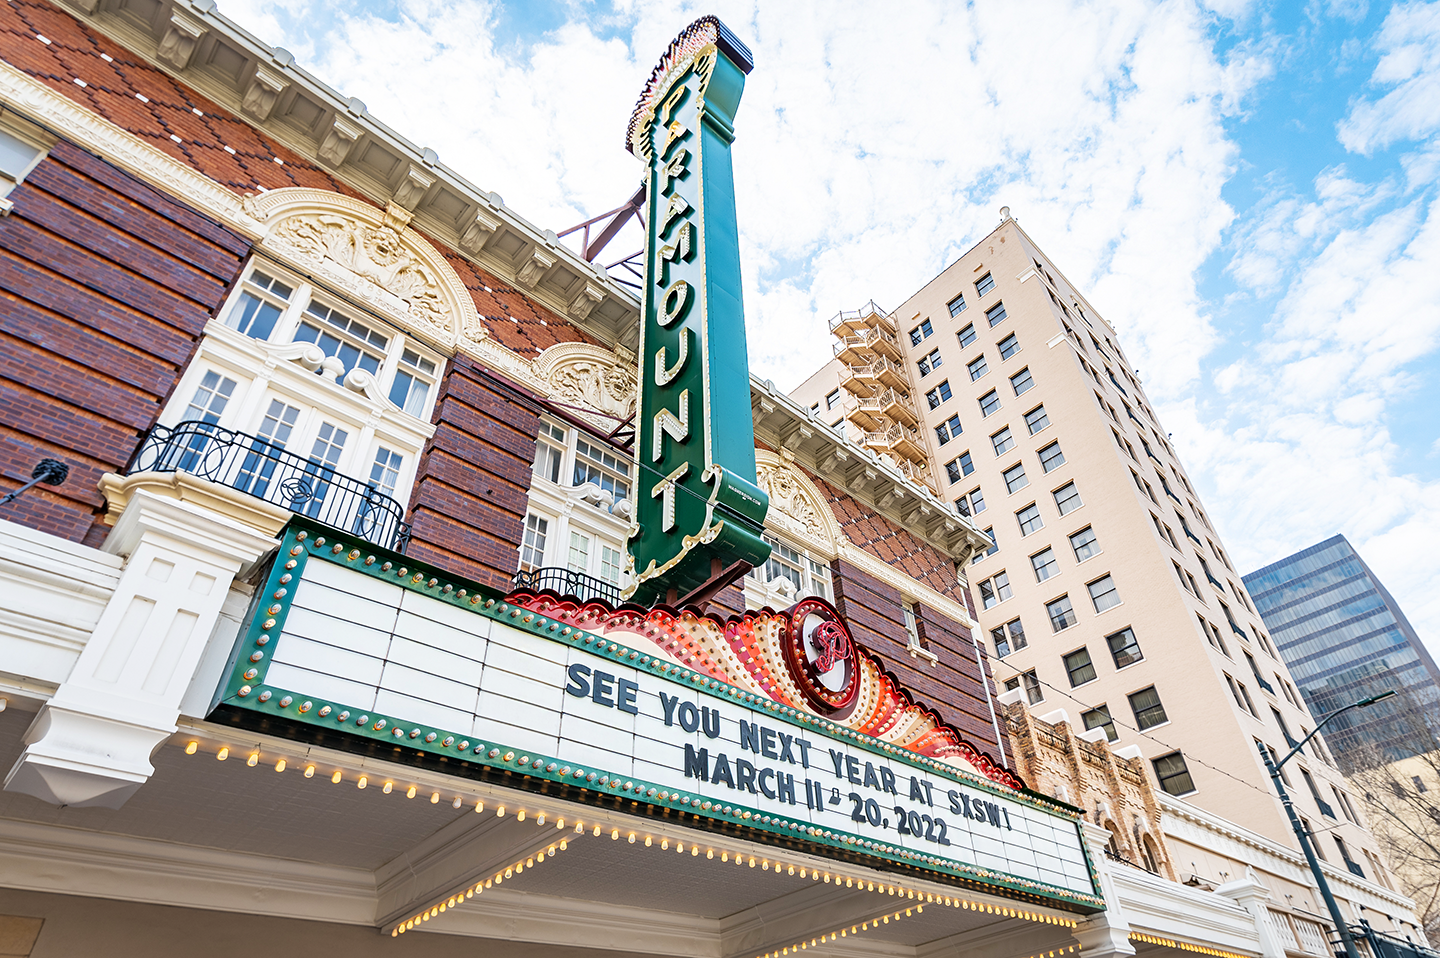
point(698, 510)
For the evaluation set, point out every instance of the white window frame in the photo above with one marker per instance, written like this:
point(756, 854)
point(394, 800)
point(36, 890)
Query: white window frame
point(577, 510)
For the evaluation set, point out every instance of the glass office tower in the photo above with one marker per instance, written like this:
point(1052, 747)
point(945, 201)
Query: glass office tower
point(1344, 638)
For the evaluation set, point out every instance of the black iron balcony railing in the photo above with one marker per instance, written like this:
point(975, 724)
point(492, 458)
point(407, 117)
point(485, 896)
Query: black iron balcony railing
point(567, 582)
point(263, 469)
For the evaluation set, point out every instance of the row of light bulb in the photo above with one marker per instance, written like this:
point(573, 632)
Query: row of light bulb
point(632, 838)
point(839, 933)
point(1183, 945)
point(470, 891)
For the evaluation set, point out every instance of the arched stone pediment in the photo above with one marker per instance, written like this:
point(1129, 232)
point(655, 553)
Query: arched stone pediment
point(590, 377)
point(797, 507)
point(371, 255)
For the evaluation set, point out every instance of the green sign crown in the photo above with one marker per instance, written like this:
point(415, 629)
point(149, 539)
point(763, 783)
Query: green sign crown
point(698, 509)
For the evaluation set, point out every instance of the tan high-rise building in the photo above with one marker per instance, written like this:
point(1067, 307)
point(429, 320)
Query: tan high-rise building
point(1108, 593)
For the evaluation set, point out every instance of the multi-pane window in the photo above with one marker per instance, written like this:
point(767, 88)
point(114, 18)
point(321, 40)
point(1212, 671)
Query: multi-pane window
point(808, 576)
point(532, 548)
point(605, 469)
point(1051, 458)
point(977, 367)
point(411, 387)
point(1079, 667)
point(921, 332)
point(275, 430)
point(1021, 382)
point(938, 395)
point(210, 399)
point(1149, 712)
point(956, 307)
point(948, 430)
point(579, 559)
point(1009, 346)
point(355, 344)
point(956, 469)
point(1085, 544)
point(1124, 649)
point(1031, 682)
point(612, 563)
point(1008, 638)
point(1173, 775)
point(831, 398)
point(995, 315)
point(1067, 499)
point(385, 470)
point(1015, 479)
point(971, 504)
point(966, 335)
point(1045, 564)
point(1029, 519)
point(1003, 441)
point(930, 362)
point(1104, 594)
point(994, 546)
point(1061, 612)
point(984, 285)
point(1099, 717)
point(995, 590)
point(1036, 420)
point(549, 451)
point(989, 403)
point(262, 300)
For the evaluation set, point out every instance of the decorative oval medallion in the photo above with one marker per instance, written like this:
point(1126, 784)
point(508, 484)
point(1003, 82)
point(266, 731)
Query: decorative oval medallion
point(821, 656)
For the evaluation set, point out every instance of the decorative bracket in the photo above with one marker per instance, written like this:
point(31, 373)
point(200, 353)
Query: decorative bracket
point(262, 93)
point(339, 141)
point(181, 37)
point(590, 297)
point(413, 187)
point(533, 268)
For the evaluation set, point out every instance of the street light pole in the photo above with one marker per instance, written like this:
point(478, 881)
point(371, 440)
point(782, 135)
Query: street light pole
point(1341, 925)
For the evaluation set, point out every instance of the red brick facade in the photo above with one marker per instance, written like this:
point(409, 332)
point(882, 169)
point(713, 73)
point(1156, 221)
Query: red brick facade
point(105, 285)
point(473, 485)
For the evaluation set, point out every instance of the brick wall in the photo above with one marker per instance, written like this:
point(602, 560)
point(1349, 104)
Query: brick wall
point(473, 482)
point(954, 687)
point(105, 285)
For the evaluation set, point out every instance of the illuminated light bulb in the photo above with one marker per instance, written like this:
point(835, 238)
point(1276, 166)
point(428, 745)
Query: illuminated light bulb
point(764, 864)
point(579, 828)
point(425, 917)
point(564, 844)
point(597, 831)
point(191, 748)
point(519, 868)
point(559, 824)
point(434, 798)
point(509, 872)
point(614, 834)
point(309, 771)
point(849, 883)
point(694, 850)
point(665, 844)
point(499, 811)
point(865, 926)
point(907, 913)
point(752, 861)
point(457, 803)
point(253, 760)
point(335, 779)
point(724, 856)
point(530, 862)
point(442, 908)
point(387, 787)
point(919, 909)
point(648, 841)
point(540, 819)
point(827, 878)
point(790, 870)
point(364, 780)
point(520, 815)
point(885, 919)
point(842, 932)
point(680, 847)
point(280, 765)
point(709, 853)
point(490, 882)
point(224, 753)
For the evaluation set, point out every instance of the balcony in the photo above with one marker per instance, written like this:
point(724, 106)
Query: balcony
point(890, 404)
point(867, 379)
point(264, 470)
point(567, 582)
point(863, 347)
point(900, 441)
point(850, 322)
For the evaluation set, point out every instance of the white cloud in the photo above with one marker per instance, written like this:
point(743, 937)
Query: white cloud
point(1409, 42)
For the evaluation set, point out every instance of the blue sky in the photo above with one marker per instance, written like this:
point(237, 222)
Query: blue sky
point(1247, 190)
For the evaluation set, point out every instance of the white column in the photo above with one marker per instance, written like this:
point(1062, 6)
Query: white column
point(1250, 894)
point(91, 743)
point(1108, 933)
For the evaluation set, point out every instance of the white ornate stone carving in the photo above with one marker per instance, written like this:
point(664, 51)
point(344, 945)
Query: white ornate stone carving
point(796, 507)
point(413, 187)
point(534, 267)
point(357, 247)
point(479, 232)
point(262, 93)
point(590, 377)
point(590, 297)
point(182, 34)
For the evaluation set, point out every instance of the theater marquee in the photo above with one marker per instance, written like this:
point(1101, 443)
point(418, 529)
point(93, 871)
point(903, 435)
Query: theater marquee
point(365, 649)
